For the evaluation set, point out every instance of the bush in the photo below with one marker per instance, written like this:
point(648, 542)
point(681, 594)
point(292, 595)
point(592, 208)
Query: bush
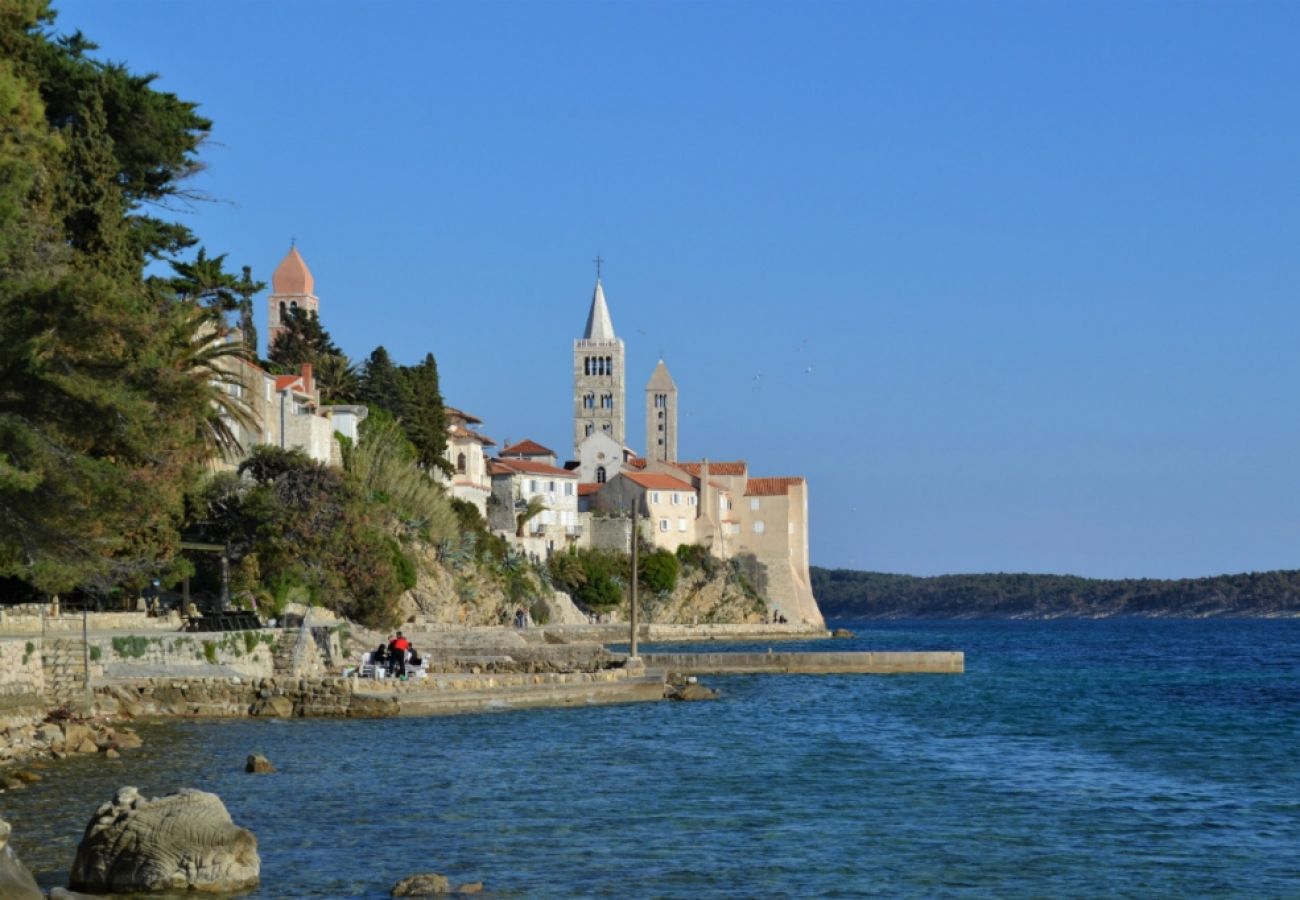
point(694, 556)
point(210, 652)
point(540, 612)
point(658, 571)
point(132, 646)
point(592, 577)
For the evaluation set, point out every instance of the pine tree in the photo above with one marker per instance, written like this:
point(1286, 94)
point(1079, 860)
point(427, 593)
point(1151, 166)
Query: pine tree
point(303, 340)
point(381, 385)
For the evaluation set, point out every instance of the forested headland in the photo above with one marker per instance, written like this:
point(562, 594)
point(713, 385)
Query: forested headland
point(849, 593)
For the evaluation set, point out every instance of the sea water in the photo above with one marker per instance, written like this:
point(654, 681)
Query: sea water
point(1073, 758)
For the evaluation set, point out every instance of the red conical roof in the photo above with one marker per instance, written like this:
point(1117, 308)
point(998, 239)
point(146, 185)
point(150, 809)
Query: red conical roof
point(292, 275)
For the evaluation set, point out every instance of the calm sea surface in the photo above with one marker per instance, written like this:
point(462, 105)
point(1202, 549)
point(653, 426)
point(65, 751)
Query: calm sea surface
point(1129, 757)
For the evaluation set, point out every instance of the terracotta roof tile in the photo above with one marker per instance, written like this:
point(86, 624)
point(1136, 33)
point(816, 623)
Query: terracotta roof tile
point(588, 488)
point(769, 487)
point(527, 448)
point(459, 431)
point(636, 463)
point(527, 467)
point(657, 481)
point(738, 467)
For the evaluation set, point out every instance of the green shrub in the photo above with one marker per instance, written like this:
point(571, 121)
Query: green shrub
point(95, 653)
point(130, 647)
point(540, 612)
point(250, 641)
point(210, 652)
point(659, 571)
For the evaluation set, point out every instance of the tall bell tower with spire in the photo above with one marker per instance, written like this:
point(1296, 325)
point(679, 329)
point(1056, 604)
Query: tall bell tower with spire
point(291, 288)
point(661, 416)
point(598, 375)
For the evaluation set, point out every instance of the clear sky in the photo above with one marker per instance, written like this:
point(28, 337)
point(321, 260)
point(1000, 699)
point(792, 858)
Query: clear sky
point(1015, 285)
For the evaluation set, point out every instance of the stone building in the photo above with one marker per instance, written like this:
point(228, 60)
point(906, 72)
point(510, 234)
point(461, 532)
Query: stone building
point(598, 376)
point(668, 505)
point(466, 456)
point(518, 482)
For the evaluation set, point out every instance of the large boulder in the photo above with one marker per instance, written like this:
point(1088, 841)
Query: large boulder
point(16, 883)
point(426, 884)
point(181, 842)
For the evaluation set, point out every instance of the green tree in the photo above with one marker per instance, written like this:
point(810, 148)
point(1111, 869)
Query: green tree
point(381, 385)
point(337, 379)
point(658, 571)
point(101, 414)
point(302, 340)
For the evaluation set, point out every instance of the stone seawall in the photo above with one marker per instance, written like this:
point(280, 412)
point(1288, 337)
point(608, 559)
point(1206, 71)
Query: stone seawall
point(354, 697)
point(944, 662)
point(42, 619)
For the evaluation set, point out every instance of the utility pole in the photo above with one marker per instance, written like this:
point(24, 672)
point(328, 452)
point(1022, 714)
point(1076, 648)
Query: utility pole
point(636, 514)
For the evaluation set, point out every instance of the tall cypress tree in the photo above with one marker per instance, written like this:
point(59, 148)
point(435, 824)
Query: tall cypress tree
point(303, 340)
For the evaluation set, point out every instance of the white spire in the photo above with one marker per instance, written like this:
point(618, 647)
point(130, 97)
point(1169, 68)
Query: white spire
point(599, 325)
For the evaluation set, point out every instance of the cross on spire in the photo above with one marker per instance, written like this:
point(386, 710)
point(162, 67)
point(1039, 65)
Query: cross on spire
point(598, 261)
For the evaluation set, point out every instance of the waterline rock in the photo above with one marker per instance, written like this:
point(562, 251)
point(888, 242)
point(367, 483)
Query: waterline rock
point(16, 883)
point(183, 841)
point(426, 884)
point(258, 764)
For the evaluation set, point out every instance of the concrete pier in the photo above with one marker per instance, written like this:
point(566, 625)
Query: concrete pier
point(946, 662)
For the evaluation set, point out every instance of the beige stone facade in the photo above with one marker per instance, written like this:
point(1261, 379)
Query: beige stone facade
point(467, 458)
point(598, 377)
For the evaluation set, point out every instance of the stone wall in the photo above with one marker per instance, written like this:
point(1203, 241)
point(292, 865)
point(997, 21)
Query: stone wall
point(43, 619)
point(248, 654)
point(22, 680)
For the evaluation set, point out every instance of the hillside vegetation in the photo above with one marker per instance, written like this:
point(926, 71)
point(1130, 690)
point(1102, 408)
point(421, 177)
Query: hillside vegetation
point(845, 593)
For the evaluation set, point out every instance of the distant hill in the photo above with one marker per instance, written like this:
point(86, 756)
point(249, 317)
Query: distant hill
point(846, 593)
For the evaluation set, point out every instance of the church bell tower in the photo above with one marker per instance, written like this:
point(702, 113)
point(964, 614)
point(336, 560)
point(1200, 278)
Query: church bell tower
point(661, 416)
point(598, 372)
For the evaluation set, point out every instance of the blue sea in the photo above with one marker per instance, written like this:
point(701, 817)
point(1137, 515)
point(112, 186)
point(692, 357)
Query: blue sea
point(1072, 759)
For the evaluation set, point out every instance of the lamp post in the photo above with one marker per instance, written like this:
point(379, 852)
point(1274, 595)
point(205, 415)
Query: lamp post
point(636, 511)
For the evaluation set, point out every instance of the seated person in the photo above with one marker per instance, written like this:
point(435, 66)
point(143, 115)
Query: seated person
point(397, 654)
point(379, 656)
point(413, 658)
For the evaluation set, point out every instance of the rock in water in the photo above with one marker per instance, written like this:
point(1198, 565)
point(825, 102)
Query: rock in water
point(258, 764)
point(692, 691)
point(183, 841)
point(425, 884)
point(842, 633)
point(16, 883)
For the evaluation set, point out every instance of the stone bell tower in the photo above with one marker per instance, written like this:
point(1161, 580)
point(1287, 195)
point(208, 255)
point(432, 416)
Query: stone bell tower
point(598, 375)
point(661, 416)
point(291, 288)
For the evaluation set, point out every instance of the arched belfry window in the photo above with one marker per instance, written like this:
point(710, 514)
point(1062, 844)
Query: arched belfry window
point(589, 429)
point(283, 313)
point(600, 475)
point(589, 401)
point(293, 306)
point(460, 463)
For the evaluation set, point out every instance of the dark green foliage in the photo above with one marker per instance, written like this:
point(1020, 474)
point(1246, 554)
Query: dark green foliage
point(412, 396)
point(694, 556)
point(844, 592)
point(658, 571)
point(309, 529)
point(103, 420)
point(303, 340)
point(404, 566)
point(594, 578)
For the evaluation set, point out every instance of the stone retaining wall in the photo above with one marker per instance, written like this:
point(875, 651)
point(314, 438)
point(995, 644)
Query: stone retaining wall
point(951, 662)
point(43, 619)
point(22, 679)
point(188, 654)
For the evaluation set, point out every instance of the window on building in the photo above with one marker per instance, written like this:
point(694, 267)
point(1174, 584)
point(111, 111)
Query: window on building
point(606, 428)
point(654, 496)
point(588, 401)
point(661, 414)
point(609, 365)
point(293, 306)
point(532, 485)
point(677, 498)
point(460, 463)
point(661, 426)
point(753, 503)
point(283, 314)
point(661, 442)
point(550, 486)
point(606, 401)
point(568, 488)
point(759, 527)
point(690, 499)
point(681, 524)
point(663, 524)
point(589, 429)
point(600, 475)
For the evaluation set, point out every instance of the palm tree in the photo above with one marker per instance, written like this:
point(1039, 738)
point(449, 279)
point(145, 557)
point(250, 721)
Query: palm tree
point(218, 369)
point(337, 378)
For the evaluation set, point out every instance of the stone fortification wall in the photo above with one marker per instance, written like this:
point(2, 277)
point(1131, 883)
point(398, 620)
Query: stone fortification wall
point(22, 679)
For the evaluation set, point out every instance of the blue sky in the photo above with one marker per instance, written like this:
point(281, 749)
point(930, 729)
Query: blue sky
point(1015, 285)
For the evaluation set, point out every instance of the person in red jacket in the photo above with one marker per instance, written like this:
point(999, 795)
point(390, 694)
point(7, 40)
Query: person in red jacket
point(397, 653)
